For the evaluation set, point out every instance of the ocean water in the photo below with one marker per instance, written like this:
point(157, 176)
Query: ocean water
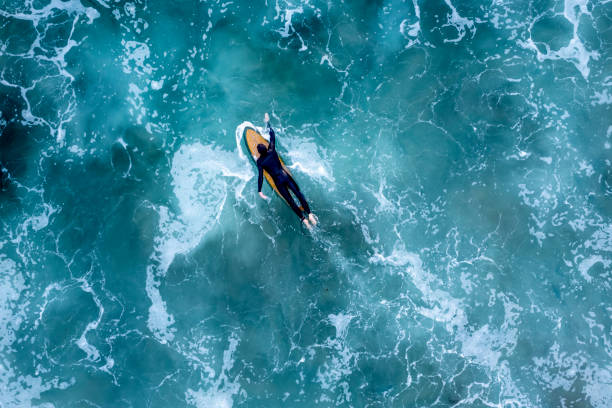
point(457, 154)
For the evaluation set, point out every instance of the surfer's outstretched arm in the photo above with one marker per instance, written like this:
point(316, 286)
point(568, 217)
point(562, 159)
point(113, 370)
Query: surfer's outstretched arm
point(260, 181)
point(259, 177)
point(272, 146)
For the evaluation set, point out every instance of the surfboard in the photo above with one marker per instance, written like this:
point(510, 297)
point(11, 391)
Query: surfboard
point(252, 138)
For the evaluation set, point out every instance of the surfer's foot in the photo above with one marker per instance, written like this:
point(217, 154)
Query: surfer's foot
point(313, 220)
point(306, 223)
point(266, 118)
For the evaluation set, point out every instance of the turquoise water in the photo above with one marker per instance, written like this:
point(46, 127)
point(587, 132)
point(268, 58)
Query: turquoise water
point(457, 154)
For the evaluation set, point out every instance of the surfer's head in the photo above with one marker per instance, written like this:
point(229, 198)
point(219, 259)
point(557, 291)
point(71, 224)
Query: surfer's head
point(262, 149)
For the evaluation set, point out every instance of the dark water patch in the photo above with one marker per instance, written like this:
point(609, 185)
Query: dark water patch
point(149, 162)
point(380, 374)
point(56, 33)
point(23, 71)
point(49, 100)
point(39, 4)
point(539, 7)
point(493, 102)
point(588, 33)
point(427, 163)
point(62, 322)
point(19, 149)
point(17, 35)
point(551, 33)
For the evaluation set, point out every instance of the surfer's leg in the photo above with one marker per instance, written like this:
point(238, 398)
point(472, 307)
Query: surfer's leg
point(282, 188)
point(296, 190)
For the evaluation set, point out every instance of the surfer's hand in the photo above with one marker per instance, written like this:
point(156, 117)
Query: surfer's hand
point(306, 223)
point(266, 118)
point(262, 195)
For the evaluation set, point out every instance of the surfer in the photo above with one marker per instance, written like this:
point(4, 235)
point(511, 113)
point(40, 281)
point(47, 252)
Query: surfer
point(268, 160)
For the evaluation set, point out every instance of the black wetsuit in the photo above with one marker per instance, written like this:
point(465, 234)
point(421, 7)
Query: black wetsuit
point(284, 182)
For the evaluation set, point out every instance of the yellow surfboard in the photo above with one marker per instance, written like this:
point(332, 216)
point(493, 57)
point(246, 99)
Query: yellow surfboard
point(252, 138)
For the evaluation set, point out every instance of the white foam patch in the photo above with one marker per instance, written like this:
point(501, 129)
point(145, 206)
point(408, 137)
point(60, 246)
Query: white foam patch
point(588, 263)
point(307, 157)
point(504, 14)
point(41, 220)
point(135, 57)
point(340, 322)
point(70, 6)
point(411, 31)
point(443, 308)
point(127, 153)
point(586, 168)
point(602, 98)
point(601, 239)
point(54, 55)
point(547, 160)
point(202, 177)
point(484, 345)
point(288, 30)
point(327, 59)
point(219, 394)
point(559, 370)
point(157, 85)
point(462, 24)
point(542, 204)
point(16, 390)
point(135, 98)
point(76, 150)
point(574, 52)
point(92, 353)
point(340, 360)
point(494, 341)
point(130, 9)
point(239, 134)
point(102, 3)
point(384, 204)
point(12, 284)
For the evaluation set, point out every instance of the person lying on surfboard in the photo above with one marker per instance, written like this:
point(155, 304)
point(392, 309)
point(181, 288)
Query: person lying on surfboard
point(268, 160)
